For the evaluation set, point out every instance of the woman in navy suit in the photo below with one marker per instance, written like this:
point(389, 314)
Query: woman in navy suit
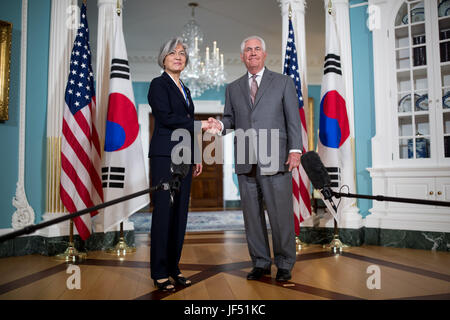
point(173, 109)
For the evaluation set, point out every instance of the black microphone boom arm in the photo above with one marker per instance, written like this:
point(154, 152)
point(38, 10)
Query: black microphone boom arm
point(320, 179)
point(33, 227)
point(392, 199)
point(173, 185)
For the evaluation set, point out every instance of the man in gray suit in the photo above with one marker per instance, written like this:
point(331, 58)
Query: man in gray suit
point(266, 103)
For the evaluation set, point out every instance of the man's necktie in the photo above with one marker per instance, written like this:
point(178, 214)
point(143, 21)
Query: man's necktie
point(253, 88)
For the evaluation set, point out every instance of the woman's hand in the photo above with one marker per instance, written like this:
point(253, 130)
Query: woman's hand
point(212, 126)
point(197, 170)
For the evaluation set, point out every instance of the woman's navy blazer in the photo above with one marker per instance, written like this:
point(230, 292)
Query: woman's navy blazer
point(171, 112)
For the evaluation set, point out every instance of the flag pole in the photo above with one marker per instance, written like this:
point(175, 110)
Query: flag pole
point(299, 244)
point(71, 254)
point(121, 249)
point(336, 244)
point(118, 10)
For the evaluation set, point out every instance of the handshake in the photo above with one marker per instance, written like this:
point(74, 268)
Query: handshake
point(212, 126)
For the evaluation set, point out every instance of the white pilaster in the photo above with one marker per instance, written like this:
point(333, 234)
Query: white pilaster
point(284, 7)
point(24, 215)
point(381, 56)
point(63, 26)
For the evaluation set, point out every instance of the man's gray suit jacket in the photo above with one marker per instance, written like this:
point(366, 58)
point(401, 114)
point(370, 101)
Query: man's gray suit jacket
point(276, 107)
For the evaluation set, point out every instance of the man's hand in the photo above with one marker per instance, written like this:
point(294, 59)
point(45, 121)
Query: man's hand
point(212, 126)
point(293, 160)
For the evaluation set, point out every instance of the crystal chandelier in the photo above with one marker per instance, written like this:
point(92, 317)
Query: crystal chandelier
point(206, 72)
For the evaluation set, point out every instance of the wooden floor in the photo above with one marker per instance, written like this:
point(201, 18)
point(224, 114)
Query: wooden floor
point(218, 263)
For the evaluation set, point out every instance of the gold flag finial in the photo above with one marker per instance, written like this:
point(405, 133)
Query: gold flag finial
point(290, 11)
point(118, 7)
point(330, 7)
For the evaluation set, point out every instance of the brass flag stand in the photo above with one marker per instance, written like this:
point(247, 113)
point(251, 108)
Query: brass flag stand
point(121, 249)
point(336, 244)
point(71, 255)
point(299, 244)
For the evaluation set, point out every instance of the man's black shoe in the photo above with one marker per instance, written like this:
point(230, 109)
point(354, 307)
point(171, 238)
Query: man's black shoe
point(283, 275)
point(257, 273)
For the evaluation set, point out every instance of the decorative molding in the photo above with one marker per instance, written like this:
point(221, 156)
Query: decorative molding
point(236, 61)
point(362, 4)
point(402, 220)
point(51, 245)
point(110, 2)
point(296, 5)
point(344, 2)
point(24, 215)
point(409, 171)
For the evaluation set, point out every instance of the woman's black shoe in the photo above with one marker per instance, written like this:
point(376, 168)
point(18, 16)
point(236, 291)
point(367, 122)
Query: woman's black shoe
point(182, 281)
point(164, 286)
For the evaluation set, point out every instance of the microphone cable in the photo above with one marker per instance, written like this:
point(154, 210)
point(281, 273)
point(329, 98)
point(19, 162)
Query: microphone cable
point(340, 191)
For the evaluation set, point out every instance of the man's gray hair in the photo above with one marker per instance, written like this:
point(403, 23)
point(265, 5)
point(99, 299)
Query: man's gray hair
point(263, 44)
point(168, 47)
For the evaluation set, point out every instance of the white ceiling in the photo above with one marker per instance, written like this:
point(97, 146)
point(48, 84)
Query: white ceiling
point(148, 23)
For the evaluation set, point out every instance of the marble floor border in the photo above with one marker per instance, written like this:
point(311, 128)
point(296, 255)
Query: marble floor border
point(398, 266)
point(323, 293)
point(207, 271)
point(24, 281)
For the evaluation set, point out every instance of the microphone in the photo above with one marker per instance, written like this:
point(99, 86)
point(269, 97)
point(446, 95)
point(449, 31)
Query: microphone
point(317, 173)
point(178, 171)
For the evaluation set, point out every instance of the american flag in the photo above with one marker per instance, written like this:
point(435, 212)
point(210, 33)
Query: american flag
point(300, 181)
point(81, 186)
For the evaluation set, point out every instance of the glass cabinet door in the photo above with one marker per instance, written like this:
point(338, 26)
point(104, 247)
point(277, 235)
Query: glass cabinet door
point(412, 75)
point(443, 101)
